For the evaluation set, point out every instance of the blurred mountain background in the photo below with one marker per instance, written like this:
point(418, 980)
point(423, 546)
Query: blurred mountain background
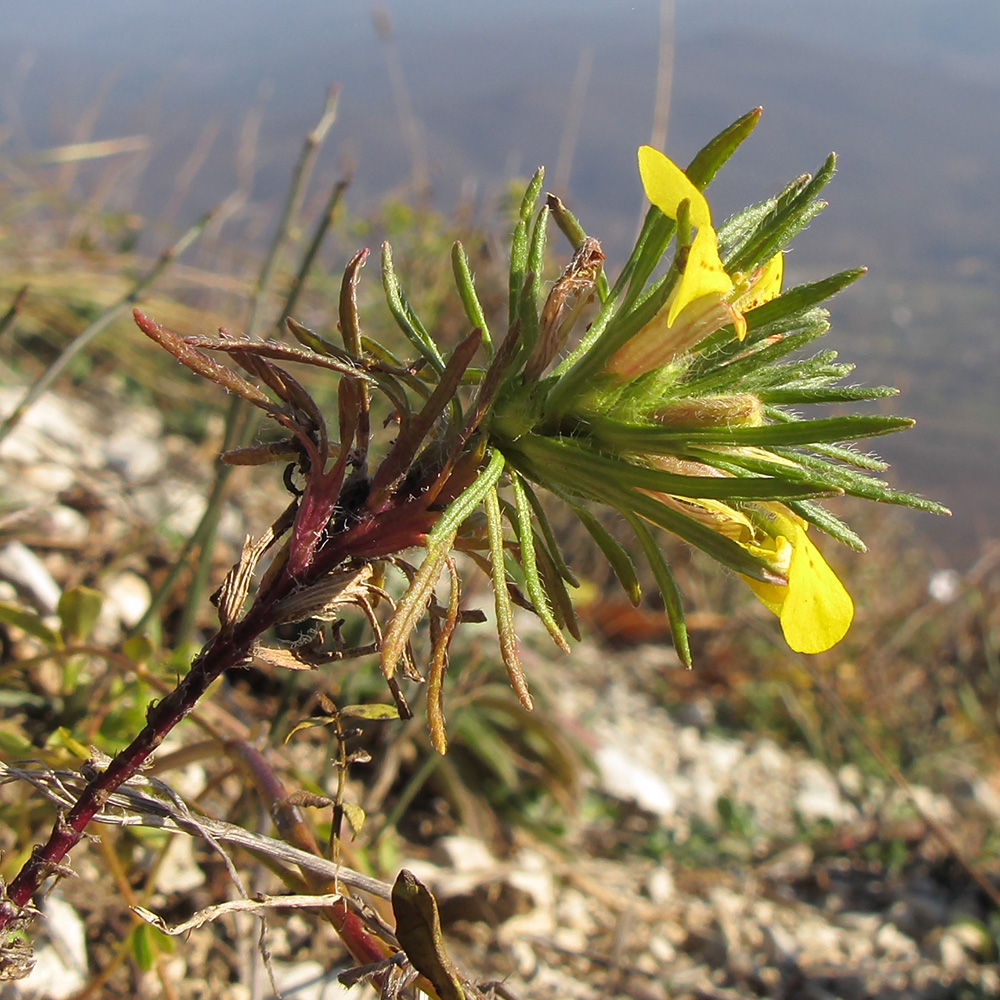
point(906, 92)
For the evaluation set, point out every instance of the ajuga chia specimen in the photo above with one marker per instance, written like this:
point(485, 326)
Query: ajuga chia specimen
point(672, 404)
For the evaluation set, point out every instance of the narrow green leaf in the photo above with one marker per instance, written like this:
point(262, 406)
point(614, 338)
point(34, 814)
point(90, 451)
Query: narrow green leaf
point(780, 314)
point(555, 588)
point(317, 722)
point(29, 622)
point(707, 162)
point(658, 231)
point(733, 234)
point(562, 458)
point(796, 206)
point(596, 484)
point(800, 298)
point(504, 609)
point(373, 710)
point(526, 539)
point(518, 266)
point(440, 539)
point(831, 394)
point(548, 534)
point(527, 310)
point(467, 501)
point(845, 454)
point(520, 244)
point(466, 285)
point(799, 432)
point(825, 521)
point(616, 555)
point(712, 379)
point(868, 489)
point(404, 315)
point(817, 371)
point(667, 586)
point(720, 548)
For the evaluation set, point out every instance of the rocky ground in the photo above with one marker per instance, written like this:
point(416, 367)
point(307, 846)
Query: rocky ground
point(698, 863)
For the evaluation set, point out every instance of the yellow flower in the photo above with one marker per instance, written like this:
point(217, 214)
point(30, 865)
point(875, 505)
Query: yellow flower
point(814, 608)
point(666, 186)
point(705, 297)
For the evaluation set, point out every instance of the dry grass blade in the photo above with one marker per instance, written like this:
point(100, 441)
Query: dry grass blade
point(149, 802)
point(76, 152)
point(439, 662)
point(230, 596)
point(257, 906)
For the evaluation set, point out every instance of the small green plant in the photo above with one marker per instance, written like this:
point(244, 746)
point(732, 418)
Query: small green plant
point(664, 396)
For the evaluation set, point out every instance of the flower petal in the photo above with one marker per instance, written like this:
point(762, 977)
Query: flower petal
point(818, 611)
point(703, 277)
point(814, 608)
point(666, 186)
point(764, 284)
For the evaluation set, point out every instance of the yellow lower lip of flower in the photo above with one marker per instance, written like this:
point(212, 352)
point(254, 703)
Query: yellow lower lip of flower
point(814, 609)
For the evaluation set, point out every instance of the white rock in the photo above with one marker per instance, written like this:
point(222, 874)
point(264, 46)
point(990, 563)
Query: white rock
point(791, 863)
point(819, 943)
point(45, 479)
point(536, 885)
point(818, 796)
point(129, 595)
point(662, 950)
point(45, 421)
point(538, 923)
point(61, 960)
point(893, 943)
point(851, 780)
point(28, 573)
point(944, 585)
point(463, 854)
point(922, 801)
point(973, 937)
point(779, 945)
point(525, 959)
point(184, 505)
point(311, 981)
point(989, 981)
point(721, 756)
point(624, 778)
point(660, 885)
point(64, 526)
point(987, 796)
point(951, 953)
point(768, 757)
point(688, 743)
point(135, 454)
point(179, 871)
